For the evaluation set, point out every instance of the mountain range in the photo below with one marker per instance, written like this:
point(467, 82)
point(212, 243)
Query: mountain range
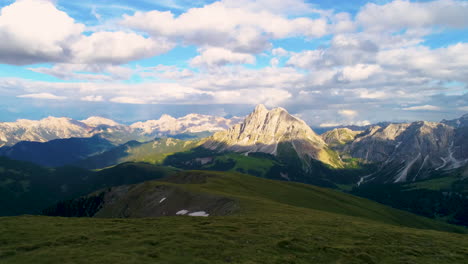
point(51, 128)
point(245, 183)
point(267, 143)
point(401, 152)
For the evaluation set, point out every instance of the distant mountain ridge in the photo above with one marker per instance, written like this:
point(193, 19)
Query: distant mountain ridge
point(51, 128)
point(405, 151)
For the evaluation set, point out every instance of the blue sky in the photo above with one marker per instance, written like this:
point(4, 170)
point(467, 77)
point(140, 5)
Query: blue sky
point(328, 62)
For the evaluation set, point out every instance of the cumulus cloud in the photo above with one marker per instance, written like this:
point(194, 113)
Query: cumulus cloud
point(447, 63)
point(422, 108)
point(214, 57)
point(48, 96)
point(116, 47)
point(345, 49)
point(274, 6)
point(348, 113)
point(35, 31)
point(359, 72)
point(400, 14)
point(267, 96)
point(88, 72)
point(279, 52)
point(274, 62)
point(227, 26)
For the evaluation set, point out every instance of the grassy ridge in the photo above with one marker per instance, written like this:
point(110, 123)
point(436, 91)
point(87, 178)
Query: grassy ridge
point(26, 188)
point(278, 222)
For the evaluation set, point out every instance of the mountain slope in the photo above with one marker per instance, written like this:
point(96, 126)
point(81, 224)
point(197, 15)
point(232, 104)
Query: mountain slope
point(409, 151)
point(26, 188)
point(276, 222)
point(339, 136)
point(272, 132)
point(58, 152)
point(251, 193)
point(154, 152)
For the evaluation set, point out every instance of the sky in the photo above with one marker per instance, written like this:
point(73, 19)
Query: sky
point(328, 62)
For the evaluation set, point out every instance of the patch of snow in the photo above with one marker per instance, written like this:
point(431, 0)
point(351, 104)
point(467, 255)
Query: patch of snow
point(199, 213)
point(182, 212)
point(162, 200)
point(285, 176)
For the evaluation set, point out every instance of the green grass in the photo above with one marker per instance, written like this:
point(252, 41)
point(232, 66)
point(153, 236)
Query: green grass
point(247, 163)
point(277, 222)
point(443, 183)
point(307, 238)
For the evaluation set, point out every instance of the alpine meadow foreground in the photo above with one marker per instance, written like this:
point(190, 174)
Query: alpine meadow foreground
point(274, 222)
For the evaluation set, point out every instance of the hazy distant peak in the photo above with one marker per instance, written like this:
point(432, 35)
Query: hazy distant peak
point(94, 121)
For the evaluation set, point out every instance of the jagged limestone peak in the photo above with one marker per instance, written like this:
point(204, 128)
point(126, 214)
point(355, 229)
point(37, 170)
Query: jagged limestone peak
point(265, 130)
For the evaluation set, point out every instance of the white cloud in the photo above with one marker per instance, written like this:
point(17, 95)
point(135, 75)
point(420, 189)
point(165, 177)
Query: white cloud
point(280, 52)
point(231, 27)
point(338, 124)
point(116, 47)
point(463, 108)
point(342, 23)
point(214, 57)
point(423, 108)
point(345, 49)
point(330, 124)
point(88, 72)
point(274, 62)
point(448, 63)
point(92, 98)
point(359, 72)
point(348, 113)
point(42, 96)
point(400, 14)
point(35, 31)
point(367, 94)
point(267, 96)
point(128, 100)
point(241, 78)
point(273, 6)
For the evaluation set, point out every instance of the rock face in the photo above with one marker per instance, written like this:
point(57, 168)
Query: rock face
point(408, 152)
point(269, 132)
point(457, 123)
point(41, 131)
point(339, 136)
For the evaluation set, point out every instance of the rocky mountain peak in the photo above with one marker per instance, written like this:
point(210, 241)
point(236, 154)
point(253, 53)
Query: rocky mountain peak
point(260, 108)
point(270, 131)
point(95, 121)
